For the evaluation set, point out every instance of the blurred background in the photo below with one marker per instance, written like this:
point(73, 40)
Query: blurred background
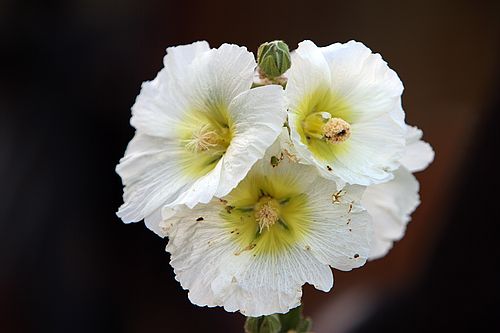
point(70, 73)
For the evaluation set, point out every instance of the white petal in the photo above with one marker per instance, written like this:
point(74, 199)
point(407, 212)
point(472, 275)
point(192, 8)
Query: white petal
point(380, 247)
point(372, 152)
point(221, 75)
point(390, 205)
point(217, 273)
point(179, 58)
point(329, 51)
point(309, 72)
point(201, 190)
point(152, 172)
point(161, 103)
point(153, 221)
point(341, 233)
point(139, 152)
point(273, 284)
point(363, 79)
point(419, 154)
point(259, 115)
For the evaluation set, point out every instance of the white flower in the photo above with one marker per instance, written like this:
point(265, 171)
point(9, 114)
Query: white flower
point(199, 130)
point(281, 227)
point(345, 112)
point(391, 204)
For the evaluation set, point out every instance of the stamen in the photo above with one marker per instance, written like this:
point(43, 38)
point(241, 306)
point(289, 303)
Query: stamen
point(336, 130)
point(266, 212)
point(203, 139)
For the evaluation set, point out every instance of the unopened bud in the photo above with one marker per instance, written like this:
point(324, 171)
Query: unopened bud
point(273, 58)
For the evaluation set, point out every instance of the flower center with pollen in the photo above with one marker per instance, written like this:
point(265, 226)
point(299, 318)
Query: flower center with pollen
point(336, 130)
point(324, 127)
point(266, 212)
point(204, 139)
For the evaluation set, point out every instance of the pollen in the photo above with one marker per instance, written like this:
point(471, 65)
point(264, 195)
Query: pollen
point(203, 139)
point(266, 212)
point(336, 130)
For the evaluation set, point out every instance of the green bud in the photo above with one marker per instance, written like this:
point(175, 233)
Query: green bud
point(252, 324)
point(270, 324)
point(263, 324)
point(273, 58)
point(304, 326)
point(292, 321)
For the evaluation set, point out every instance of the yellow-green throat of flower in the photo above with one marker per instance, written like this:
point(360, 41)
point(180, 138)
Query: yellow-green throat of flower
point(322, 126)
point(205, 136)
point(266, 214)
point(324, 122)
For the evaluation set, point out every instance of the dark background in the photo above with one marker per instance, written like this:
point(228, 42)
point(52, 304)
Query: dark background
point(70, 71)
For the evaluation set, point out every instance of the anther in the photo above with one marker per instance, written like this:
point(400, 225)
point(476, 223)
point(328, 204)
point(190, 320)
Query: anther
point(336, 130)
point(266, 212)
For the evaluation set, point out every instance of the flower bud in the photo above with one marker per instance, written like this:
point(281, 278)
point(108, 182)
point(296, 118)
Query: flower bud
point(263, 324)
point(273, 58)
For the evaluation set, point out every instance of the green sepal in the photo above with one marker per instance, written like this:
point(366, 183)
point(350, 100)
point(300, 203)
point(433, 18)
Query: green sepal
point(291, 321)
point(252, 324)
point(263, 324)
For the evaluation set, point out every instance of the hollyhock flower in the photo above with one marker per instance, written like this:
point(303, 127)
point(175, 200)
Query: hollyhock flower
point(390, 204)
point(199, 130)
point(281, 227)
point(345, 112)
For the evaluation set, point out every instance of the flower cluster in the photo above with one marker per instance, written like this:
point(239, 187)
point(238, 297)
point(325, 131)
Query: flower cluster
point(261, 184)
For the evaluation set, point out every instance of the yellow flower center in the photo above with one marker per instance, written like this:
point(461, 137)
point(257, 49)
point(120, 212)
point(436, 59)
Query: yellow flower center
point(336, 130)
point(266, 212)
point(324, 122)
point(205, 136)
point(322, 126)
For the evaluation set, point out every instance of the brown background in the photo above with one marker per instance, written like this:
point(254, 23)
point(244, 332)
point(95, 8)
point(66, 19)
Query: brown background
point(72, 69)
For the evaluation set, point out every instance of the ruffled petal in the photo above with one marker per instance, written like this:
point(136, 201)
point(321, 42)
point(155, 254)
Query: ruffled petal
point(151, 177)
point(419, 154)
point(220, 75)
point(390, 206)
point(372, 153)
point(162, 104)
point(308, 73)
point(179, 58)
point(258, 115)
point(363, 80)
point(153, 221)
point(342, 230)
point(153, 173)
